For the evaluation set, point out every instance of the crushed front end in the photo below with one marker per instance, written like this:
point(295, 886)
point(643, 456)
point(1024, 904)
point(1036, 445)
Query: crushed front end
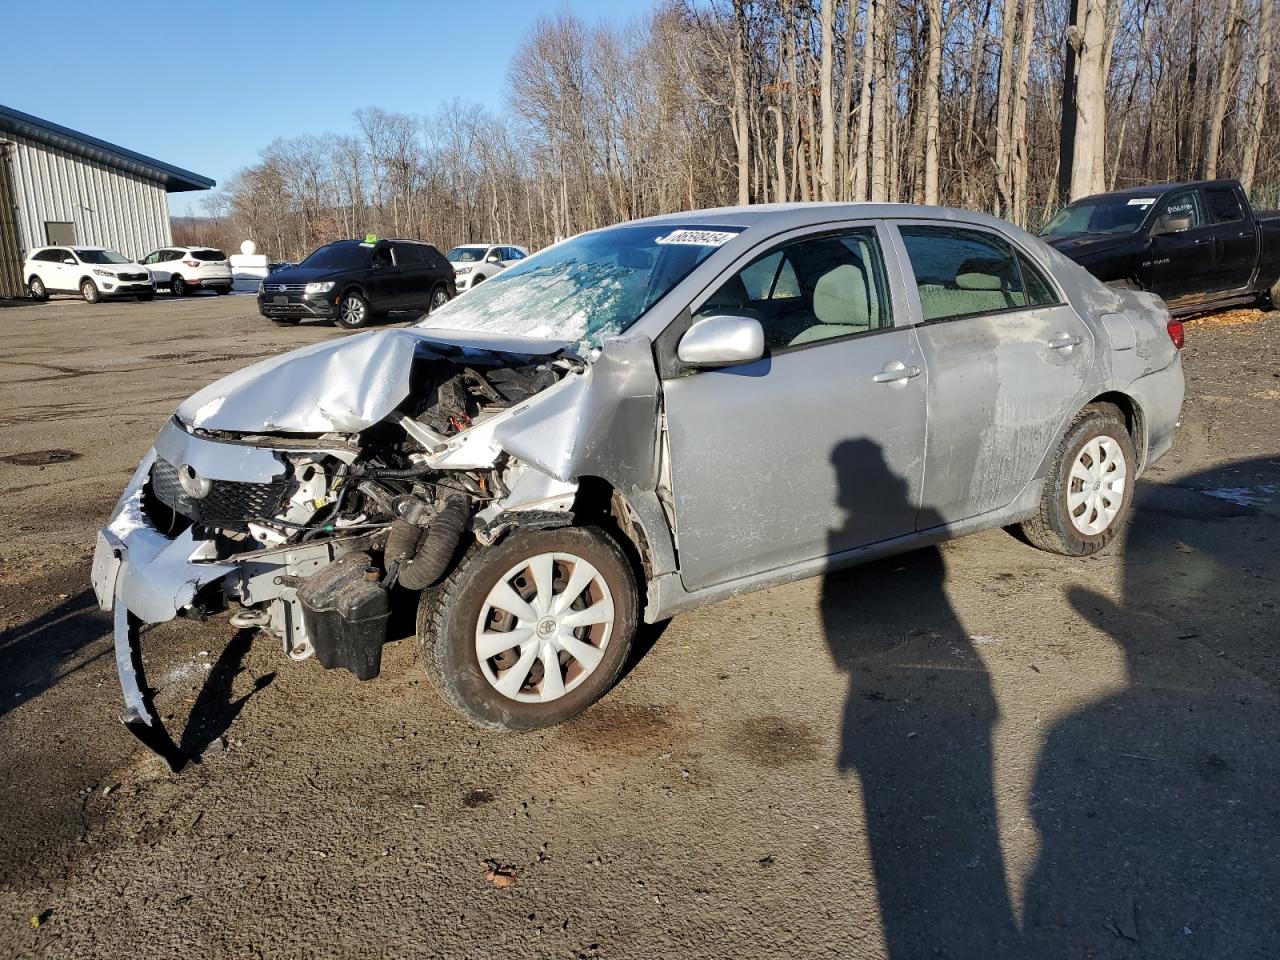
point(369, 466)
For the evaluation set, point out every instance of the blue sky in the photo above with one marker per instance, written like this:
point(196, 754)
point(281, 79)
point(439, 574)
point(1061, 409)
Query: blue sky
point(208, 90)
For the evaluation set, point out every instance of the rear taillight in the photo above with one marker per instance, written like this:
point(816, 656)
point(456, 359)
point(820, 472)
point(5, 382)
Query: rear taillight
point(191, 263)
point(1176, 333)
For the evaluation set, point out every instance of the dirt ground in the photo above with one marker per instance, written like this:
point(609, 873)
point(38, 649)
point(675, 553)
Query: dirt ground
point(975, 751)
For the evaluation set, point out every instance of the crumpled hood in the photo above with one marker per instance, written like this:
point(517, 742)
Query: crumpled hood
point(339, 386)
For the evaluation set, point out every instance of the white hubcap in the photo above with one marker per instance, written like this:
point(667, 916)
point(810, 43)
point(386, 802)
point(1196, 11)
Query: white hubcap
point(543, 627)
point(1096, 487)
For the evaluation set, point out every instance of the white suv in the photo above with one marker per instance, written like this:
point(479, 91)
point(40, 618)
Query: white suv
point(92, 272)
point(183, 270)
point(474, 263)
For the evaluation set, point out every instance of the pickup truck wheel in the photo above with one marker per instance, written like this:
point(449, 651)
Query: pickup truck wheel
point(532, 631)
point(1274, 294)
point(1089, 489)
point(354, 312)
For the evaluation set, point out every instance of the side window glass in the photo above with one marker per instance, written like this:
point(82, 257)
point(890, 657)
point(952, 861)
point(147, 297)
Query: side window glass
point(1182, 207)
point(812, 289)
point(1224, 205)
point(1039, 292)
point(961, 272)
point(382, 257)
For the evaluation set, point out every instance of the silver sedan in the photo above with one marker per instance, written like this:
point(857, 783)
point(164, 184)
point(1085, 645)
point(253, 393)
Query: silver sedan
point(634, 422)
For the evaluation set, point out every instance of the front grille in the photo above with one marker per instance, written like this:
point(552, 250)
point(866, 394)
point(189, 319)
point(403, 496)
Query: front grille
point(284, 288)
point(231, 504)
point(133, 277)
point(285, 309)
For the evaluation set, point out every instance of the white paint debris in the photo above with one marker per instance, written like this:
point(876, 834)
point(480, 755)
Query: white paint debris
point(1254, 496)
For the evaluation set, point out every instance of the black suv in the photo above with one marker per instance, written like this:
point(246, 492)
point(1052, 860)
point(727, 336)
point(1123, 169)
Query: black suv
point(353, 281)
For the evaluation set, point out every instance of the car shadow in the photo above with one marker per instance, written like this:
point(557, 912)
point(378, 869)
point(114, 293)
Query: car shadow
point(216, 708)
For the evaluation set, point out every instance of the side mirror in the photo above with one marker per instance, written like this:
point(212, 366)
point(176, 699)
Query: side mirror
point(1169, 224)
point(70, 260)
point(722, 340)
point(493, 258)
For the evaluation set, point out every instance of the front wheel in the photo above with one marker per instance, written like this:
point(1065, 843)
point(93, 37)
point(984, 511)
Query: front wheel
point(1089, 490)
point(532, 631)
point(89, 290)
point(37, 289)
point(178, 287)
point(355, 312)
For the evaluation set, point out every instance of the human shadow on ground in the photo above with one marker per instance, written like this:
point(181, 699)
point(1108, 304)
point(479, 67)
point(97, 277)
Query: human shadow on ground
point(917, 732)
point(1157, 805)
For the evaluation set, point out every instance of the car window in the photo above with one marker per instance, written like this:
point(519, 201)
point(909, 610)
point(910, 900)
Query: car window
point(382, 256)
point(812, 289)
point(1224, 205)
point(516, 254)
point(963, 272)
point(407, 254)
point(208, 254)
point(1184, 204)
point(1040, 292)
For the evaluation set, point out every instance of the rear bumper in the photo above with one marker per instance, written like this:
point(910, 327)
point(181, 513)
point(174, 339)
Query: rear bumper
point(1160, 396)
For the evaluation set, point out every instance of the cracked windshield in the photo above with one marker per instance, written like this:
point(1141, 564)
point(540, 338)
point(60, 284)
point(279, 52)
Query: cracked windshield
point(587, 288)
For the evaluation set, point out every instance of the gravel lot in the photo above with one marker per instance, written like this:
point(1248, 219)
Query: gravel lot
point(974, 751)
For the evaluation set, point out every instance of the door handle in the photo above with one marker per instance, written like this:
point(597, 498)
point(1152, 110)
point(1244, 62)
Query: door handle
point(895, 371)
point(1062, 341)
point(1202, 240)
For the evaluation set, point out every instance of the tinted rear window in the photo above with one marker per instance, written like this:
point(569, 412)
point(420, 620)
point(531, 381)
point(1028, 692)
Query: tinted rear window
point(208, 254)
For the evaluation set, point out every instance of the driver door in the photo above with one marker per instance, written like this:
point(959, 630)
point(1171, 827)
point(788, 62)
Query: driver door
point(1182, 262)
point(818, 447)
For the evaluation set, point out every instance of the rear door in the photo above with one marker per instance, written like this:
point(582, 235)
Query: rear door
point(57, 274)
point(1235, 238)
point(1007, 358)
point(415, 278)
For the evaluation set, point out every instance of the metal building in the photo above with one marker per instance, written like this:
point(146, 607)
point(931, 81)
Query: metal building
point(58, 186)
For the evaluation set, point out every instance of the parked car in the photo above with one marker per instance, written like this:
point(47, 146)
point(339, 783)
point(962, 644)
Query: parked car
point(92, 272)
point(1197, 245)
point(473, 263)
point(354, 281)
point(183, 270)
point(638, 421)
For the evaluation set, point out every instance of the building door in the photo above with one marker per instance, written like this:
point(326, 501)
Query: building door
point(59, 234)
point(12, 283)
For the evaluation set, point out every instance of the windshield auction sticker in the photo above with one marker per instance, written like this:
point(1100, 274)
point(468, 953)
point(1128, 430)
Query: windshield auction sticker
point(1142, 201)
point(698, 238)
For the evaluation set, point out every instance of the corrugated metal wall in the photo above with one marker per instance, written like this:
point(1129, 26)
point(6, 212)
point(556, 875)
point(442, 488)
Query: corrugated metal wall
point(12, 283)
point(109, 208)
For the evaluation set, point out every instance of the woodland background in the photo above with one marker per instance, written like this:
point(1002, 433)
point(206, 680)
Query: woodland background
point(1006, 106)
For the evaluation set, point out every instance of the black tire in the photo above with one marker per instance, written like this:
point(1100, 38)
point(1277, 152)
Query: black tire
point(37, 290)
point(1052, 528)
point(89, 290)
point(222, 291)
point(178, 286)
point(439, 297)
point(149, 295)
point(1273, 294)
point(477, 281)
point(448, 614)
point(354, 312)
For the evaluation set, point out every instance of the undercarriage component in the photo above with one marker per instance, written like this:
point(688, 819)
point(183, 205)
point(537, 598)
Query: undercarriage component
point(345, 609)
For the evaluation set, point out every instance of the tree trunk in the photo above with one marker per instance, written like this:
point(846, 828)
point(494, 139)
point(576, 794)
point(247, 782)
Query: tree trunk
point(826, 79)
point(741, 121)
point(1091, 103)
point(1018, 134)
point(1227, 66)
point(1258, 96)
point(869, 20)
point(1005, 108)
point(932, 83)
point(880, 110)
point(1070, 75)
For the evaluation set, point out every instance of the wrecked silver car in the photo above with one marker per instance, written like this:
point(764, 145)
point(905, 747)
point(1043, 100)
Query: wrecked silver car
point(637, 421)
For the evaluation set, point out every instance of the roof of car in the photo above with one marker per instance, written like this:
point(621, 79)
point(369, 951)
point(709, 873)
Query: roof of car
point(783, 216)
point(1160, 189)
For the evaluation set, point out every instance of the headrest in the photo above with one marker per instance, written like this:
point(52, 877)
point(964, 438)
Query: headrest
point(840, 297)
point(982, 274)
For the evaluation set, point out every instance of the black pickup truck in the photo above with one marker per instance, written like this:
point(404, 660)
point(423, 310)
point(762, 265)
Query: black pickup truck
point(1196, 245)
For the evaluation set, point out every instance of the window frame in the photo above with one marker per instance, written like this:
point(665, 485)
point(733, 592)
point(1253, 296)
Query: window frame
point(912, 288)
point(1208, 190)
point(1202, 208)
point(669, 365)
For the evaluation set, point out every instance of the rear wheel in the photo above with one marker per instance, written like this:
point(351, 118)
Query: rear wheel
point(439, 297)
point(1089, 490)
point(354, 312)
point(36, 288)
point(89, 290)
point(178, 286)
point(532, 631)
